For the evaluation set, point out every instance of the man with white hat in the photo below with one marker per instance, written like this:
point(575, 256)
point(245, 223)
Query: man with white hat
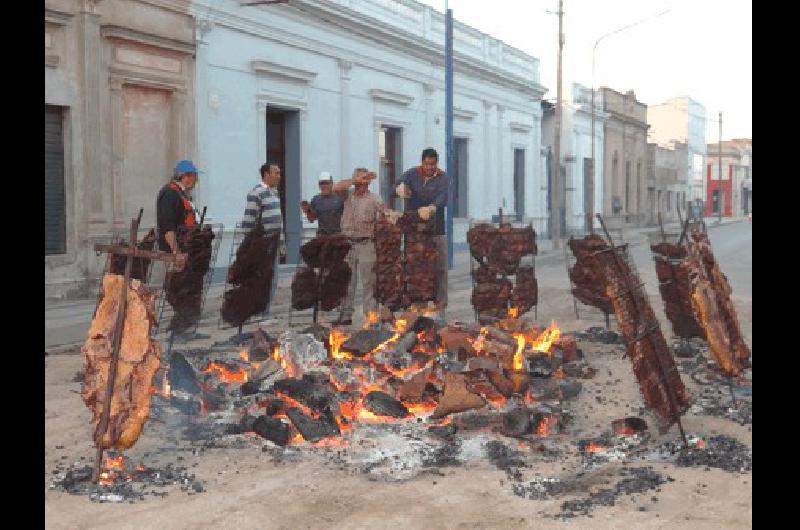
point(326, 207)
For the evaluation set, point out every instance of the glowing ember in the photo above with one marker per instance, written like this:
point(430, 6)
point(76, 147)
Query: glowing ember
point(559, 374)
point(700, 444)
point(592, 447)
point(226, 374)
point(244, 355)
point(519, 355)
point(541, 429)
point(113, 467)
point(297, 439)
point(371, 320)
point(418, 409)
point(115, 463)
point(335, 341)
point(513, 312)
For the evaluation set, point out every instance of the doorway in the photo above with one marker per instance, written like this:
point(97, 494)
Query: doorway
point(389, 150)
point(55, 219)
point(460, 177)
point(519, 183)
point(715, 202)
point(283, 148)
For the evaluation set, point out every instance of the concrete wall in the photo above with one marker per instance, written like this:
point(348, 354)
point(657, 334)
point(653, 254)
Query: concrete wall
point(124, 73)
point(625, 139)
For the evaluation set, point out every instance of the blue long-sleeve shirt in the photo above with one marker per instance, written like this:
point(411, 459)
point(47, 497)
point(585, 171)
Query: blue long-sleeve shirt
point(432, 192)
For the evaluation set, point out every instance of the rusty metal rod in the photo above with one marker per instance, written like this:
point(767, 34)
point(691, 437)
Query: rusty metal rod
point(661, 225)
point(112, 368)
point(136, 253)
point(683, 232)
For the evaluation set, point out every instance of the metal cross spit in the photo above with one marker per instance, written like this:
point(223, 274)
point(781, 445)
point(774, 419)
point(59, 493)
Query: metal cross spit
point(131, 252)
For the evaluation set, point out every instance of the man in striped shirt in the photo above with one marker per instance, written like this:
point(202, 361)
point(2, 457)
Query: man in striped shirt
point(264, 199)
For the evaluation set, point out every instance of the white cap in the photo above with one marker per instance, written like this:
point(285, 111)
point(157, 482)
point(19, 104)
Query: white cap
point(325, 177)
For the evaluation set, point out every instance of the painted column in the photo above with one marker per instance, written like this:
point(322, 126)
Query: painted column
point(203, 195)
point(428, 89)
point(98, 192)
point(489, 182)
point(344, 107)
point(503, 198)
point(117, 209)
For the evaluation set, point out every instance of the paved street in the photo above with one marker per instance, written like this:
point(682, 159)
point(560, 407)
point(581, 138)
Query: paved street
point(66, 322)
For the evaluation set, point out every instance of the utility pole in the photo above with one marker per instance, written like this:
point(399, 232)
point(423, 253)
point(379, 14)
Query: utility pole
point(448, 90)
point(557, 205)
point(720, 196)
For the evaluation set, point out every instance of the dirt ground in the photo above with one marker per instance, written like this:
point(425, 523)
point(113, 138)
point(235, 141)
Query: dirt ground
point(244, 488)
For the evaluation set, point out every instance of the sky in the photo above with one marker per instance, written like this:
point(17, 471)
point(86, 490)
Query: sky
point(699, 48)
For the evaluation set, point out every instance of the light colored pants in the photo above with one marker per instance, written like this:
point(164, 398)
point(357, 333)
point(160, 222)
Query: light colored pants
point(361, 259)
point(441, 272)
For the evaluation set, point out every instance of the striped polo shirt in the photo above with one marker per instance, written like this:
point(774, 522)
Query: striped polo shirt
point(266, 200)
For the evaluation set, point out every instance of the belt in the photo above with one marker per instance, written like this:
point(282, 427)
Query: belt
point(359, 239)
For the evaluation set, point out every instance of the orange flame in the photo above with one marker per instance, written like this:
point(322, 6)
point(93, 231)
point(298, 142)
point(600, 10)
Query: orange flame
point(225, 374)
point(112, 466)
point(244, 355)
point(519, 355)
point(335, 341)
point(513, 312)
point(546, 339)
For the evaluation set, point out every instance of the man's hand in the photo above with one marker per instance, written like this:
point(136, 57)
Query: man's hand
point(304, 206)
point(180, 261)
point(426, 212)
point(403, 191)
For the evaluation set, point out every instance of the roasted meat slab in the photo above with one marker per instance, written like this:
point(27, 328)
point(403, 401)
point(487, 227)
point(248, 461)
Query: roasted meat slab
point(139, 358)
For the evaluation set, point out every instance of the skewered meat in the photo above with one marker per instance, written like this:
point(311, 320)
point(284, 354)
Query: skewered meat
point(714, 309)
point(184, 289)
point(139, 266)
point(305, 289)
point(673, 270)
point(526, 291)
point(499, 251)
point(588, 274)
point(326, 253)
point(420, 262)
point(138, 361)
point(389, 276)
point(652, 361)
point(251, 275)
point(334, 286)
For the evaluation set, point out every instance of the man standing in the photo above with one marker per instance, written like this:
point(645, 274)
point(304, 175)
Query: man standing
point(326, 207)
point(264, 201)
point(174, 208)
point(361, 210)
point(426, 187)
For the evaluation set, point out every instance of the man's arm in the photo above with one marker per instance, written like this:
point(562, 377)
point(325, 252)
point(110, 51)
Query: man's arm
point(167, 221)
point(309, 208)
point(251, 211)
point(403, 188)
point(440, 200)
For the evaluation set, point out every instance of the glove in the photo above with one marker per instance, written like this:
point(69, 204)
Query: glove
point(426, 212)
point(403, 191)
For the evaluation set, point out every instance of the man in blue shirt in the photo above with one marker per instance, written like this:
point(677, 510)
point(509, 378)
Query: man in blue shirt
point(426, 188)
point(326, 207)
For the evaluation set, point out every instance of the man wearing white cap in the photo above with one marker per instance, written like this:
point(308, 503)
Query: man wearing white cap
point(326, 207)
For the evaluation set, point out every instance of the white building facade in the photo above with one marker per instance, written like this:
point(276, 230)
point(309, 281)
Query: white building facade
point(682, 119)
point(576, 149)
point(329, 86)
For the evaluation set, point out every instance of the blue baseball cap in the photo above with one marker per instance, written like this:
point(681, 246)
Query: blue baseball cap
point(185, 166)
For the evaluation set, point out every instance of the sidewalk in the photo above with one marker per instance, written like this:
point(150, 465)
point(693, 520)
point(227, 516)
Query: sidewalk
point(66, 322)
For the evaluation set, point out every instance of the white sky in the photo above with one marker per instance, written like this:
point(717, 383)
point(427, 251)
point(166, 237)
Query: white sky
point(701, 48)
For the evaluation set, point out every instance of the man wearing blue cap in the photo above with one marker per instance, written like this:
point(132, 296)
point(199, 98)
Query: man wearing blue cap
point(174, 208)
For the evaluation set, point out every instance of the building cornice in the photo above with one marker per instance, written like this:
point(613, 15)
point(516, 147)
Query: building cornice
point(388, 96)
point(291, 73)
point(56, 17)
point(111, 31)
point(520, 127)
point(464, 114)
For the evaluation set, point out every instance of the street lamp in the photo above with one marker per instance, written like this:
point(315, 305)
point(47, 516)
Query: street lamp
point(590, 217)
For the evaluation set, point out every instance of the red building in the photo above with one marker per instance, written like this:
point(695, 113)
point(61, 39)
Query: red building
point(716, 187)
